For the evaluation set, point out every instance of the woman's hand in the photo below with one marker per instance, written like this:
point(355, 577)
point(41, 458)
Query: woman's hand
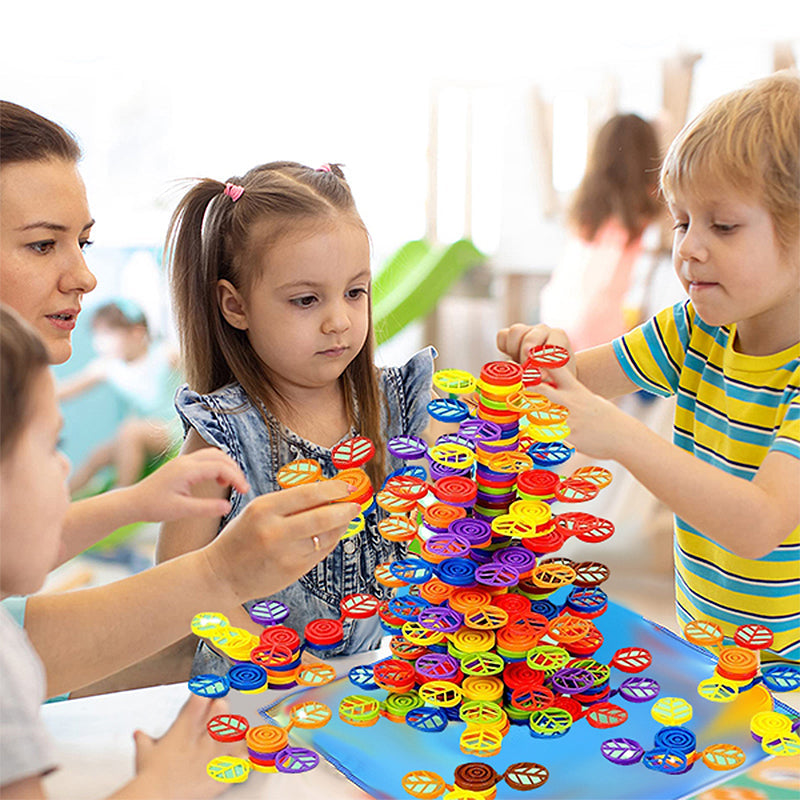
point(278, 537)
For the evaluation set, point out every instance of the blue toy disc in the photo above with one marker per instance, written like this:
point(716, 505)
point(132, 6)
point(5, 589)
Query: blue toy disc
point(411, 570)
point(676, 738)
point(362, 677)
point(247, 677)
point(209, 685)
point(456, 571)
point(448, 409)
point(427, 718)
point(781, 677)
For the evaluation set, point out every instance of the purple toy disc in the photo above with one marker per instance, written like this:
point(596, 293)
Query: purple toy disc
point(639, 690)
point(268, 612)
point(407, 447)
point(622, 751)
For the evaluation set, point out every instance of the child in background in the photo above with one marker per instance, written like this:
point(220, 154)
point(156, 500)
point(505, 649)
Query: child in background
point(34, 503)
point(731, 354)
point(615, 203)
point(144, 374)
point(270, 275)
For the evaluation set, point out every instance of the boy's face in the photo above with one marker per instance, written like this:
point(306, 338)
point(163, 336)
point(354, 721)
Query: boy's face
point(44, 226)
point(307, 315)
point(729, 261)
point(33, 495)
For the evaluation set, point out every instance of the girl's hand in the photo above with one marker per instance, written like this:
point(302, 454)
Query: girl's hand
point(166, 494)
point(279, 537)
point(595, 423)
point(518, 341)
point(174, 766)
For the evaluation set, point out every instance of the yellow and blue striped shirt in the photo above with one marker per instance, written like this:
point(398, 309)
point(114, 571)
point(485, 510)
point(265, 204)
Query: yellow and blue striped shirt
point(731, 410)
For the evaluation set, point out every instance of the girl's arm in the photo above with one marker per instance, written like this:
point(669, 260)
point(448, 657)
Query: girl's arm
point(749, 518)
point(191, 533)
point(85, 635)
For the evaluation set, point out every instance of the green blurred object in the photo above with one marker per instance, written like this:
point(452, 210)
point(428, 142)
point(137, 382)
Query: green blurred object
point(413, 281)
point(120, 535)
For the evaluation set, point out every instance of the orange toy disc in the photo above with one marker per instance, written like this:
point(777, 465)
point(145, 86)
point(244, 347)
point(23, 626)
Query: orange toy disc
point(703, 633)
point(737, 663)
point(295, 473)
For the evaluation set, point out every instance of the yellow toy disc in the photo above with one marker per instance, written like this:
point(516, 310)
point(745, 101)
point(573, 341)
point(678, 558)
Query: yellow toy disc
point(454, 381)
point(228, 769)
point(207, 623)
point(671, 711)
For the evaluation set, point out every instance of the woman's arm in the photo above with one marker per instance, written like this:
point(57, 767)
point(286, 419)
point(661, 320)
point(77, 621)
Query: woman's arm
point(85, 635)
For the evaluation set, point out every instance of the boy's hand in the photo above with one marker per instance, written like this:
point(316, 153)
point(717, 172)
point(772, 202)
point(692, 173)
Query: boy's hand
point(518, 340)
point(166, 494)
point(595, 423)
point(279, 537)
point(174, 766)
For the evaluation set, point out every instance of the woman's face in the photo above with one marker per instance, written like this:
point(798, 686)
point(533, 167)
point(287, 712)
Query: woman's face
point(44, 227)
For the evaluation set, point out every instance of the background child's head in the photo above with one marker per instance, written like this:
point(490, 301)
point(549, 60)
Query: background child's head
point(621, 178)
point(747, 141)
point(228, 236)
point(33, 473)
point(119, 329)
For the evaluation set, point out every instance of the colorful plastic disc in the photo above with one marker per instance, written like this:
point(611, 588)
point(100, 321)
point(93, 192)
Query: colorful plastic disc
point(662, 759)
point(671, 711)
point(247, 677)
point(208, 622)
point(397, 528)
point(703, 633)
point(718, 690)
point(455, 489)
point(209, 685)
point(448, 409)
point(600, 476)
point(295, 760)
point(501, 373)
point(455, 571)
point(310, 714)
point(358, 709)
point(227, 727)
point(228, 769)
point(571, 680)
point(549, 356)
point(411, 570)
point(442, 694)
point(441, 618)
point(481, 741)
point(352, 452)
point(296, 473)
point(525, 775)
point(622, 751)
point(266, 738)
point(606, 715)
point(268, 612)
point(631, 659)
point(550, 454)
point(359, 605)
point(781, 677)
point(482, 664)
point(452, 455)
point(639, 690)
point(786, 745)
point(723, 756)
point(674, 737)
point(590, 573)
point(427, 719)
point(550, 722)
point(406, 447)
point(363, 677)
point(454, 381)
point(323, 632)
point(315, 675)
point(753, 637)
point(423, 784)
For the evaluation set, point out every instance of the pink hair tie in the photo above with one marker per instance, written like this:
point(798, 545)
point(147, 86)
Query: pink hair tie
point(324, 168)
point(234, 191)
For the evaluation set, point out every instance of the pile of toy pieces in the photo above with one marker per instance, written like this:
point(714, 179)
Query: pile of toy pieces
point(475, 637)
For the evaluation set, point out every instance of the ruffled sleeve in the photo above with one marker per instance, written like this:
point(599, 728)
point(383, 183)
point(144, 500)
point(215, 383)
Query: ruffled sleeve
point(206, 414)
point(408, 391)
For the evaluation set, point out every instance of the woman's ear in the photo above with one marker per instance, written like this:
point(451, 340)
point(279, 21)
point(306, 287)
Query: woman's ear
point(231, 305)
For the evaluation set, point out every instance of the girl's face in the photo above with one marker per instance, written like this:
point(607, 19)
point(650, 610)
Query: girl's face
point(33, 494)
point(44, 227)
point(729, 261)
point(307, 315)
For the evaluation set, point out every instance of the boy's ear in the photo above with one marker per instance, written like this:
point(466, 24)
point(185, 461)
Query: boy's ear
point(231, 305)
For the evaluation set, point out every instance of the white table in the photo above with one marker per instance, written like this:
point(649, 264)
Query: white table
point(94, 737)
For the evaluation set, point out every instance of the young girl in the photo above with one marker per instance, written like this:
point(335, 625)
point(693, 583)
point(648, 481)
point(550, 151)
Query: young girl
point(144, 374)
point(615, 203)
point(270, 276)
point(731, 355)
point(34, 501)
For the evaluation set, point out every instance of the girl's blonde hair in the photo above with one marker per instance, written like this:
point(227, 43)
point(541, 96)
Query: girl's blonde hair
point(211, 237)
point(22, 357)
point(748, 140)
point(620, 180)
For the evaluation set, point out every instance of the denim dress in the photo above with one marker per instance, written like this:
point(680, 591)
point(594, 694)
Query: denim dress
point(228, 420)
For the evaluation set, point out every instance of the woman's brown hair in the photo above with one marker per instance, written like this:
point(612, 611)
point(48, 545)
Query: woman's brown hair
point(22, 357)
point(620, 180)
point(28, 136)
point(211, 238)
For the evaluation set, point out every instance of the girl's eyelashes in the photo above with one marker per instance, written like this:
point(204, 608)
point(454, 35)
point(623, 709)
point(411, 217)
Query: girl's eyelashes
point(306, 301)
point(723, 228)
point(355, 293)
point(680, 226)
point(85, 243)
